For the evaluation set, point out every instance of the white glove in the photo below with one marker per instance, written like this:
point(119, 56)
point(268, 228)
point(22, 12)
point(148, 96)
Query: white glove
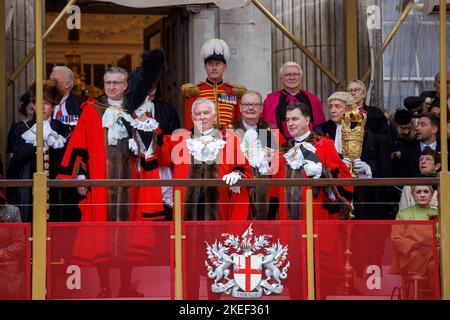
point(347, 162)
point(132, 145)
point(264, 168)
point(362, 168)
point(359, 166)
point(55, 141)
point(231, 178)
point(313, 169)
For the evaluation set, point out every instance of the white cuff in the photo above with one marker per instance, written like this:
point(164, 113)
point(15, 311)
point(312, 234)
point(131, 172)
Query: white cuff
point(133, 146)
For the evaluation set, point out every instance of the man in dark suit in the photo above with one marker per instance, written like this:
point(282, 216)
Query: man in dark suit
point(68, 109)
point(262, 199)
point(427, 133)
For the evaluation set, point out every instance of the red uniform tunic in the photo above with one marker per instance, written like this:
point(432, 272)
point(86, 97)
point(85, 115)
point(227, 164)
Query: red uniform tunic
point(226, 97)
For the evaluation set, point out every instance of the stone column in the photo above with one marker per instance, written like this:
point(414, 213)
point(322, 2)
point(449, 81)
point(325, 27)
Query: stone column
point(247, 33)
point(19, 41)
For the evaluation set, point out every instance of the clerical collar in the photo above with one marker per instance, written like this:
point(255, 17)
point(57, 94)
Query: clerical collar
point(214, 83)
point(113, 102)
point(302, 137)
point(247, 126)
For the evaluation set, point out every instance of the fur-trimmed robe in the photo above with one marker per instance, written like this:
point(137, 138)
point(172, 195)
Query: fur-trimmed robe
point(220, 203)
point(118, 166)
point(332, 167)
point(263, 199)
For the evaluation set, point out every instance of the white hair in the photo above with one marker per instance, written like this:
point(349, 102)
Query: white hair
point(252, 92)
point(68, 74)
point(117, 70)
point(291, 64)
point(200, 101)
point(360, 83)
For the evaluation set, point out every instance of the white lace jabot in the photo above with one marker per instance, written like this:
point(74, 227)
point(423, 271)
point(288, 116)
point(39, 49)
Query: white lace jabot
point(205, 148)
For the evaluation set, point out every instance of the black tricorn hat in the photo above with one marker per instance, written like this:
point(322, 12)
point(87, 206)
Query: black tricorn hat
point(402, 116)
point(144, 78)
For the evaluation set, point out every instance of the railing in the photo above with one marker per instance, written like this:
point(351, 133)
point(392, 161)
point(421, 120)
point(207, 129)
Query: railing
point(71, 277)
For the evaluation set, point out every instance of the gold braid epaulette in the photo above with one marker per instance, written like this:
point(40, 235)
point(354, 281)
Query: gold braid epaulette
point(238, 90)
point(190, 90)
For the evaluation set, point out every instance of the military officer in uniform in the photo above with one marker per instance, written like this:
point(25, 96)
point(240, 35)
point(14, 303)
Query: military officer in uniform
point(226, 97)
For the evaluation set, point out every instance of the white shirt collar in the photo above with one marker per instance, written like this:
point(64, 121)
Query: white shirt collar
point(303, 137)
point(247, 126)
point(62, 105)
point(431, 145)
point(63, 100)
point(113, 102)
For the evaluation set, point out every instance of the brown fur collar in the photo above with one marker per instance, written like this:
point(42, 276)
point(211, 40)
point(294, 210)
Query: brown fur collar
point(202, 171)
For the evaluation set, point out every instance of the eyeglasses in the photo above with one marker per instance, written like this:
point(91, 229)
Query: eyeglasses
point(291, 75)
point(113, 83)
point(248, 105)
point(354, 90)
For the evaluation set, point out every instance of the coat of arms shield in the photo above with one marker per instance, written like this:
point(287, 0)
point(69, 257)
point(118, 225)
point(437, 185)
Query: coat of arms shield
point(248, 271)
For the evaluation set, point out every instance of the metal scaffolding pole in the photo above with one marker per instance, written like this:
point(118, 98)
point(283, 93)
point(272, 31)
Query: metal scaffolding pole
point(40, 180)
point(444, 190)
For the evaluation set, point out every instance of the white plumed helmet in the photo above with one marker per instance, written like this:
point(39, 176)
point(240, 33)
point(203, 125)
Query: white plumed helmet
point(215, 49)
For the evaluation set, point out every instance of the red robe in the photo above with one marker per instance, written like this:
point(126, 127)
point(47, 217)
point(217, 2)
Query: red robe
point(83, 152)
point(146, 202)
point(230, 206)
point(332, 167)
point(86, 151)
point(227, 103)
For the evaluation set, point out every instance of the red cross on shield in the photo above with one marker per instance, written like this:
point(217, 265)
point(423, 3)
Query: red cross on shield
point(249, 274)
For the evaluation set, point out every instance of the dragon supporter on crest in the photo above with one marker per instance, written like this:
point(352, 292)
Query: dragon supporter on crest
point(203, 153)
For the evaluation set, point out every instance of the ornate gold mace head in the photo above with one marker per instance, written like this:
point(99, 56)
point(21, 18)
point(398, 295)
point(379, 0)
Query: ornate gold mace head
point(353, 125)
